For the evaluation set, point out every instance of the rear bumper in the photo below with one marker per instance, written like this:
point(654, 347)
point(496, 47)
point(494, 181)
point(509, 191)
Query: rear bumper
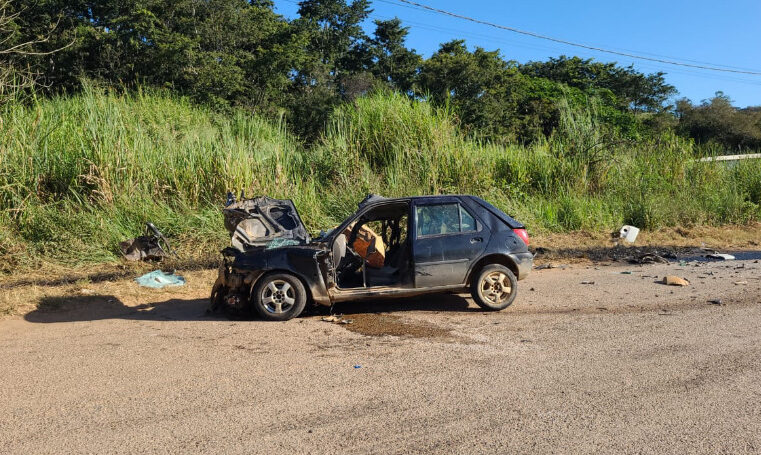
point(524, 262)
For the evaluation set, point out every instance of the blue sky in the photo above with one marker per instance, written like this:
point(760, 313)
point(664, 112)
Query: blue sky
point(726, 34)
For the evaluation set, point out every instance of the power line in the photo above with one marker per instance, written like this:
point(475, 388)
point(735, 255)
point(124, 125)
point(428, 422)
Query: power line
point(571, 43)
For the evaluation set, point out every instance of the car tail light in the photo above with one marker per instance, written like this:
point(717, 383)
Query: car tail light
point(522, 234)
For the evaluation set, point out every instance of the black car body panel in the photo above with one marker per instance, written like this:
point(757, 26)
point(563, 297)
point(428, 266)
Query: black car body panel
point(447, 239)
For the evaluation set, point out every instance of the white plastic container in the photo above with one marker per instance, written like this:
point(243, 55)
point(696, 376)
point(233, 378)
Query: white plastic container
point(629, 233)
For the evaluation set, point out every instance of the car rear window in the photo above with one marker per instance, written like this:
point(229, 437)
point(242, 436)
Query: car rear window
point(510, 221)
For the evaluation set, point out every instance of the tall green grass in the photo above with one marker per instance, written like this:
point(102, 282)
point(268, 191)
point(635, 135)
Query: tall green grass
point(79, 174)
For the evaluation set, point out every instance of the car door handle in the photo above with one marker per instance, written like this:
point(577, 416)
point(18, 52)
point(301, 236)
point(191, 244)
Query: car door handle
point(476, 240)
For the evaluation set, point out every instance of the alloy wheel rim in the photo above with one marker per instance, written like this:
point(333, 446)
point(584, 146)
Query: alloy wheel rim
point(495, 288)
point(278, 296)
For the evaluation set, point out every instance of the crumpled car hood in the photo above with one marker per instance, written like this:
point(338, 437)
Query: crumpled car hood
point(264, 221)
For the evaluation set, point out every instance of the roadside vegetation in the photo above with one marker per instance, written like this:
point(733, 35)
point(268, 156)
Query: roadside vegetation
point(80, 173)
point(121, 112)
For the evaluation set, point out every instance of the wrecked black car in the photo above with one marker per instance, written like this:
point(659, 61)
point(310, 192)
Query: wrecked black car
point(387, 248)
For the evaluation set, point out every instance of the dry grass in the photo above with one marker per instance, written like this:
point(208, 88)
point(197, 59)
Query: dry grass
point(18, 300)
point(729, 237)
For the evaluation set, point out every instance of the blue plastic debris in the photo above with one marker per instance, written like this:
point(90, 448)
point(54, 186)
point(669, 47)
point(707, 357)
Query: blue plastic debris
point(158, 279)
point(357, 366)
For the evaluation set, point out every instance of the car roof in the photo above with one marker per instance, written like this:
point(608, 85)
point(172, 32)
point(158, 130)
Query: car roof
point(373, 199)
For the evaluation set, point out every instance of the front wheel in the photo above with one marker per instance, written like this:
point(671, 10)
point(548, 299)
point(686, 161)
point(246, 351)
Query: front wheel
point(494, 288)
point(279, 297)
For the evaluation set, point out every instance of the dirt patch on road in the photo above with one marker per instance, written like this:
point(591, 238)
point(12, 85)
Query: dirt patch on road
point(374, 324)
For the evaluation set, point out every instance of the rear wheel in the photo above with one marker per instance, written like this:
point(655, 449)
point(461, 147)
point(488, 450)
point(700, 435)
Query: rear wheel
point(279, 297)
point(494, 288)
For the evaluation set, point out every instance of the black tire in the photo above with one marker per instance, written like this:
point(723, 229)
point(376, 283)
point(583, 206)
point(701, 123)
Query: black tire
point(279, 297)
point(489, 287)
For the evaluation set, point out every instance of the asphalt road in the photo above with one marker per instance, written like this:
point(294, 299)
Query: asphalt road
point(624, 365)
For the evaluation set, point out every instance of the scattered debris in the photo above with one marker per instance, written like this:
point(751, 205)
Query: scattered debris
point(550, 265)
point(716, 302)
point(720, 256)
point(629, 233)
point(357, 366)
point(672, 280)
point(152, 246)
point(587, 282)
point(159, 279)
point(741, 283)
point(337, 319)
point(648, 258)
point(626, 272)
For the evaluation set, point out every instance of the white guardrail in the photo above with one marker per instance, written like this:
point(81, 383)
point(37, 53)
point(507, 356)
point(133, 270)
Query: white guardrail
point(747, 156)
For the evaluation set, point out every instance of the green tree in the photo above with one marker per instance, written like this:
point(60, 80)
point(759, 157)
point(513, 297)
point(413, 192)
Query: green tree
point(491, 97)
point(218, 51)
point(716, 120)
point(393, 62)
point(336, 52)
point(633, 89)
point(336, 37)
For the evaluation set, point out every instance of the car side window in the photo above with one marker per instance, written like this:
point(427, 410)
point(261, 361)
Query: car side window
point(467, 222)
point(439, 219)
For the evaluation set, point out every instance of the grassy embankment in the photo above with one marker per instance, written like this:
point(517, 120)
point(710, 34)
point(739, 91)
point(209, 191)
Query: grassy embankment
point(79, 174)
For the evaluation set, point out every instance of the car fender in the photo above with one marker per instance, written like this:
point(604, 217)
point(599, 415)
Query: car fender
point(303, 263)
point(493, 258)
